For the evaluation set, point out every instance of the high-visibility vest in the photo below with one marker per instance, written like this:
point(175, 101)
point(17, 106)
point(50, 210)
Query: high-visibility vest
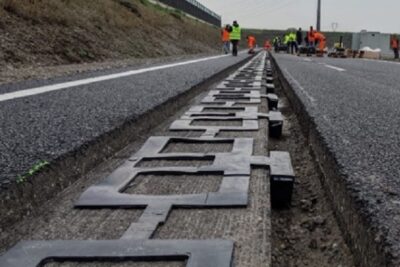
point(319, 37)
point(286, 39)
point(251, 42)
point(225, 35)
point(311, 36)
point(395, 43)
point(292, 37)
point(236, 33)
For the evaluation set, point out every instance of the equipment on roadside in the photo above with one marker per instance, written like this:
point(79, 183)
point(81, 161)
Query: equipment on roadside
point(338, 51)
point(306, 50)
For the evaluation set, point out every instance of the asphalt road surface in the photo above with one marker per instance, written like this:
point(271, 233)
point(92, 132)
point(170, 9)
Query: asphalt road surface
point(42, 120)
point(356, 106)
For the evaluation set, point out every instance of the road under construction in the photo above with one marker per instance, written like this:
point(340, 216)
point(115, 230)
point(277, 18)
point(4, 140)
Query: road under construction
point(217, 161)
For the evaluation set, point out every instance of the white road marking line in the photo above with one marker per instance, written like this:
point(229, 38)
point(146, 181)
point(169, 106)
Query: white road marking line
point(312, 99)
point(60, 86)
point(380, 61)
point(334, 68)
point(307, 59)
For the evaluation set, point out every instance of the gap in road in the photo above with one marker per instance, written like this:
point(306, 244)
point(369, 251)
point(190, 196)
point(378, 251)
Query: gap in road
point(249, 227)
point(307, 234)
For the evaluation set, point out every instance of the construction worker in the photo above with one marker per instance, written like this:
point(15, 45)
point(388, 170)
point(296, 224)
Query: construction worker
point(311, 37)
point(251, 43)
point(267, 45)
point(235, 36)
point(299, 36)
point(226, 42)
point(276, 42)
point(394, 44)
point(292, 44)
point(286, 40)
point(321, 41)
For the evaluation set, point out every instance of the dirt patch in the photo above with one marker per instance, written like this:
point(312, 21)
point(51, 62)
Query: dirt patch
point(307, 234)
point(217, 123)
point(175, 163)
point(198, 147)
point(222, 109)
point(174, 184)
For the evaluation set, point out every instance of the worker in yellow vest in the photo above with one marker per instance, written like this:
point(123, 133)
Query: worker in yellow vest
point(235, 36)
point(292, 44)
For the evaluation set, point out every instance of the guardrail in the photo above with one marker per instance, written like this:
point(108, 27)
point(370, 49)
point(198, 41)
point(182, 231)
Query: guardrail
point(195, 9)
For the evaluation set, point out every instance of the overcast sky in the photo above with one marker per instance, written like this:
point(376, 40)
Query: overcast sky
point(350, 15)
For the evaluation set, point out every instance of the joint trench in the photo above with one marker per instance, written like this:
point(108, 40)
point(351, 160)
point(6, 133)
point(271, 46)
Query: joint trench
point(192, 194)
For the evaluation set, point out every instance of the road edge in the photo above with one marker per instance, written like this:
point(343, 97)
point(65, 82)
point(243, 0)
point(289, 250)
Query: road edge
point(18, 200)
point(359, 232)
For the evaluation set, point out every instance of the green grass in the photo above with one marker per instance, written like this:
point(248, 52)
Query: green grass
point(32, 171)
point(176, 13)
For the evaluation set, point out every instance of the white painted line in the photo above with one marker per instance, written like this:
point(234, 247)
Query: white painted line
point(307, 59)
point(60, 86)
point(312, 99)
point(334, 68)
point(380, 61)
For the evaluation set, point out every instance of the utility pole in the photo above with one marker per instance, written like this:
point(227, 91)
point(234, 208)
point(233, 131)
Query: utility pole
point(319, 16)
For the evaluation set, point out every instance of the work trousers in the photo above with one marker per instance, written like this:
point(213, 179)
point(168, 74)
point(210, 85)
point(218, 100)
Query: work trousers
point(292, 47)
point(299, 42)
point(235, 47)
point(396, 53)
point(226, 47)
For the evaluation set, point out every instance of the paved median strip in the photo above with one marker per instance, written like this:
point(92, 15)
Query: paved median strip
point(246, 98)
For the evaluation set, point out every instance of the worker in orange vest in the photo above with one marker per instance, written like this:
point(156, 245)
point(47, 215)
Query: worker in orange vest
point(320, 39)
point(394, 44)
point(251, 43)
point(311, 37)
point(267, 45)
point(226, 41)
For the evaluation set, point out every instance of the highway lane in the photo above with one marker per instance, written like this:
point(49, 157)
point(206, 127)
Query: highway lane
point(356, 106)
point(44, 124)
